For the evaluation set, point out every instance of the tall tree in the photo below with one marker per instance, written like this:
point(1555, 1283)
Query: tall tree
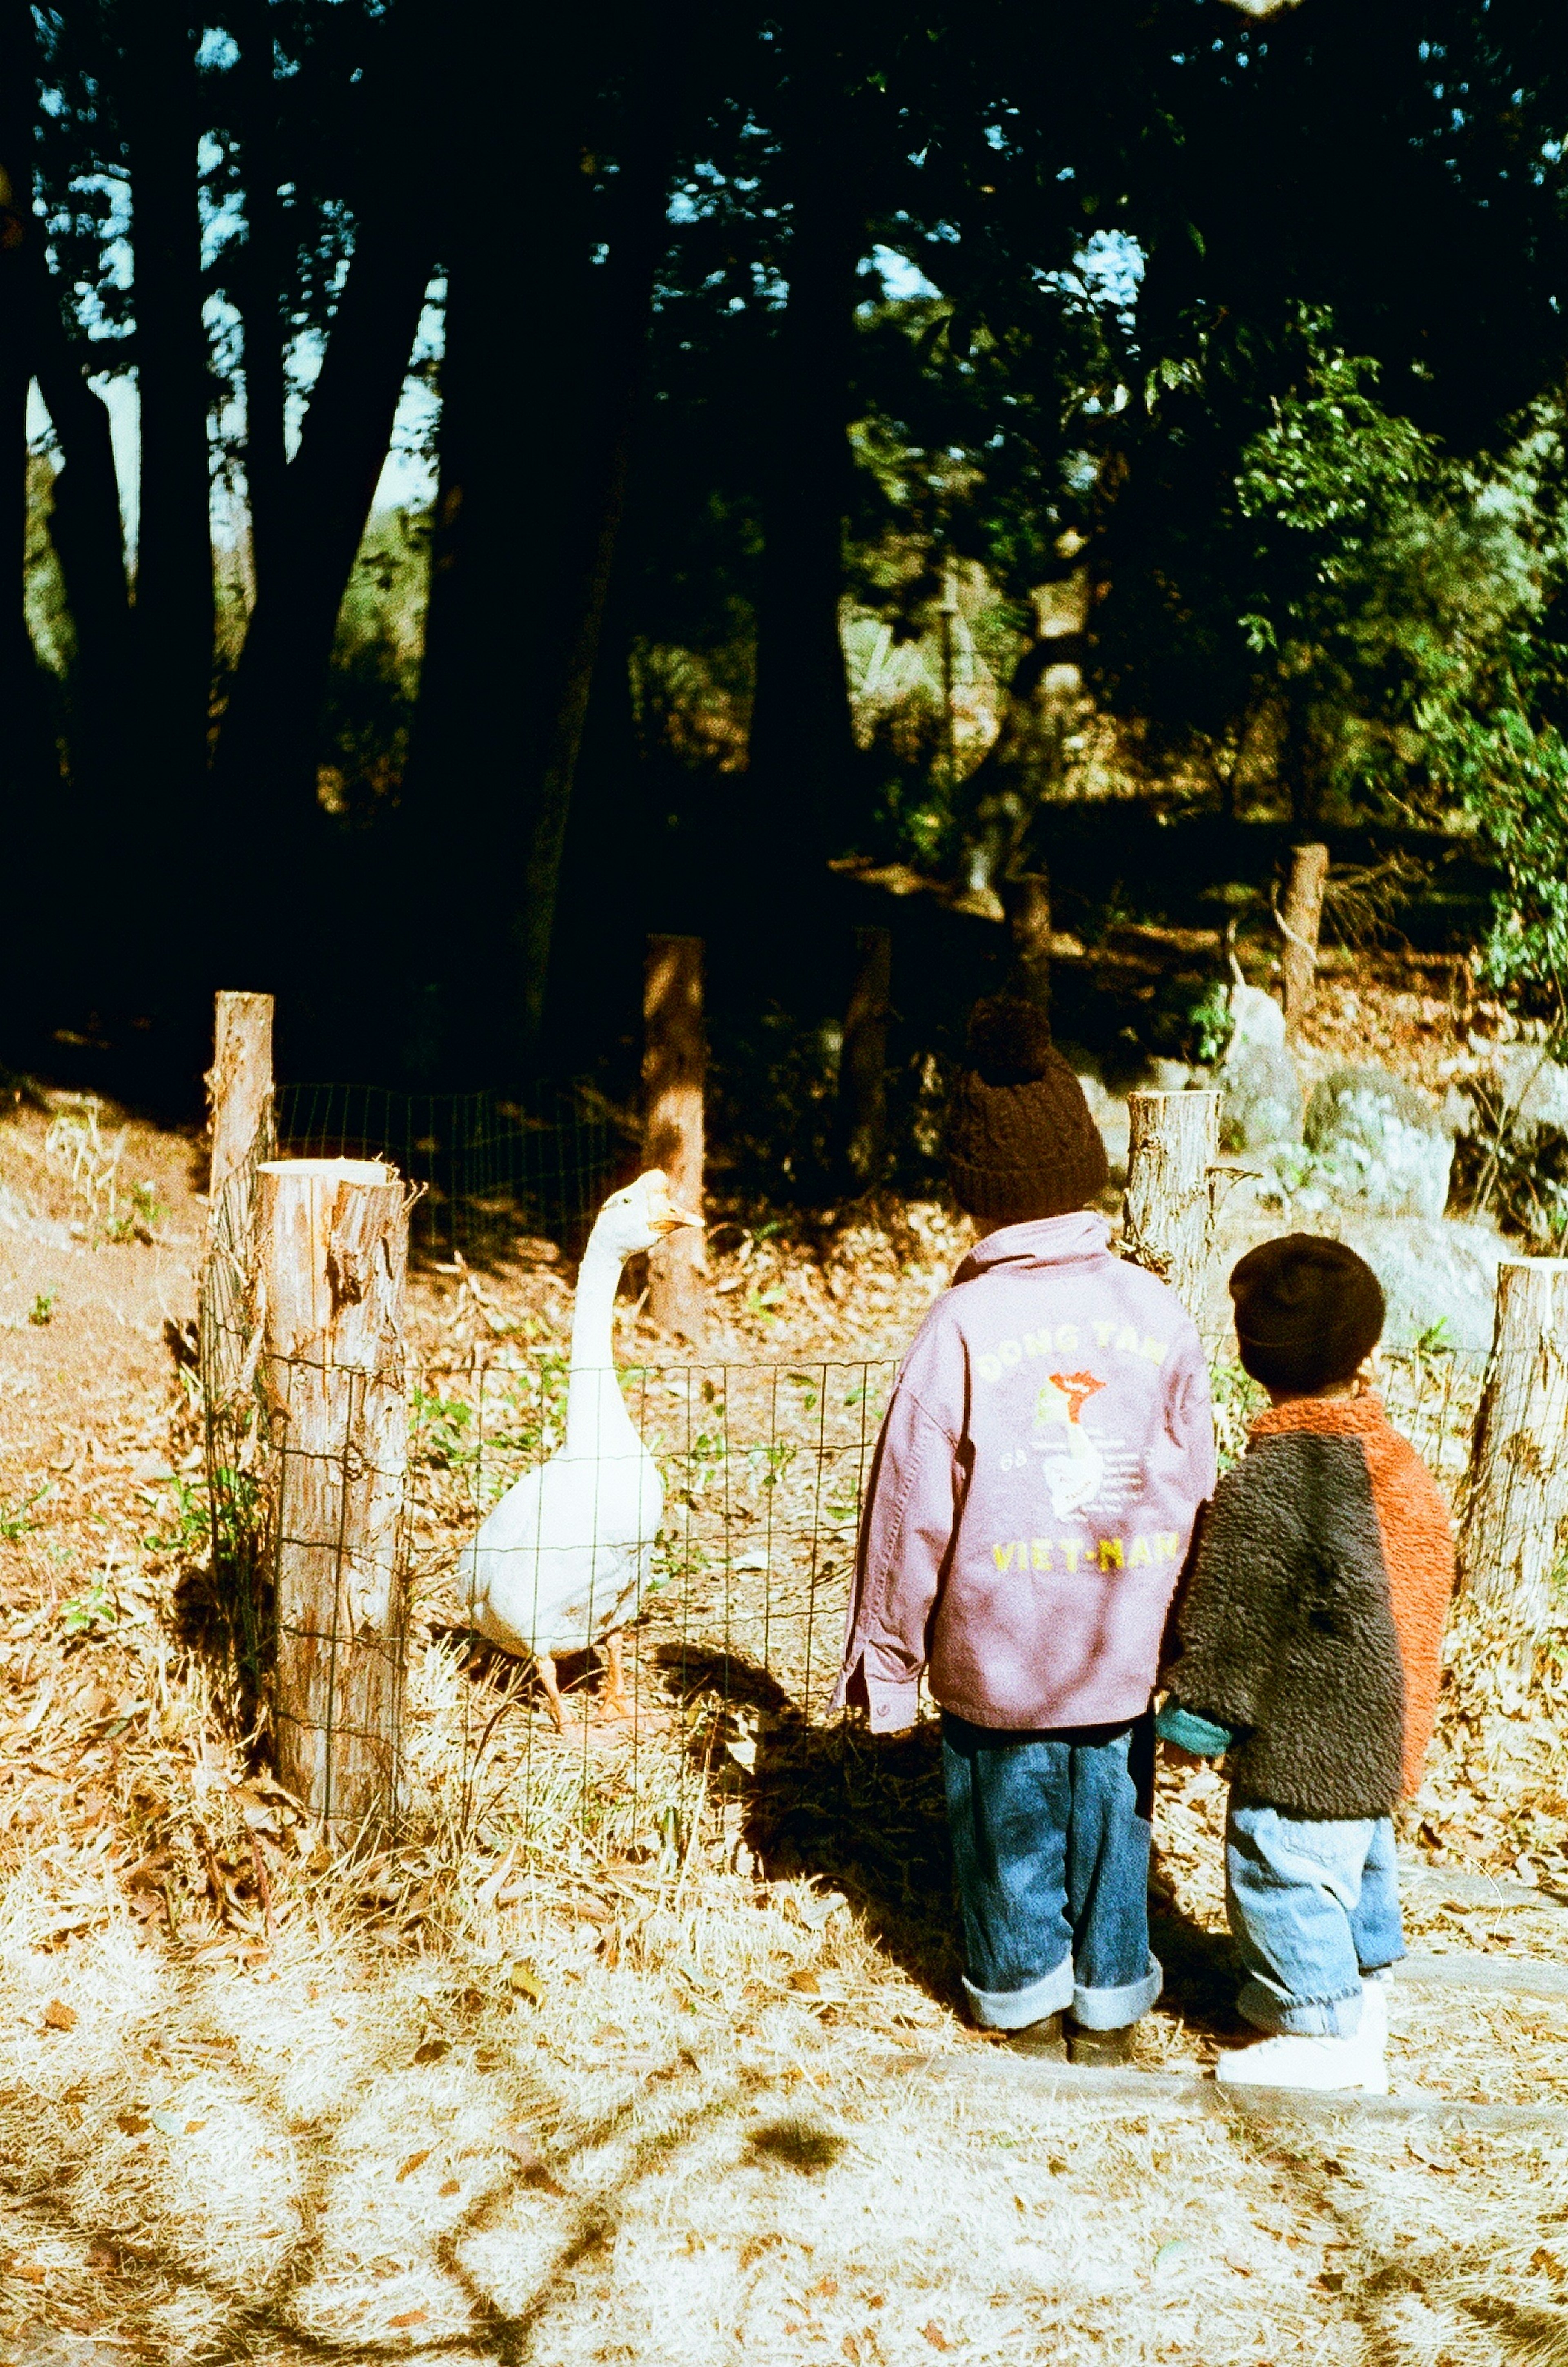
point(802, 748)
point(174, 603)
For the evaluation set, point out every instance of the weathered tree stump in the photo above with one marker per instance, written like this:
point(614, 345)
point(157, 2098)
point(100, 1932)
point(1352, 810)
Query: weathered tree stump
point(333, 1238)
point(1168, 1218)
point(1515, 1531)
point(862, 1064)
point(1299, 924)
point(674, 1070)
point(1026, 900)
point(239, 1102)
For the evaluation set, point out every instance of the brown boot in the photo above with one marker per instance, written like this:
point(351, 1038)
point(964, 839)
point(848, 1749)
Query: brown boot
point(1039, 2039)
point(1098, 2046)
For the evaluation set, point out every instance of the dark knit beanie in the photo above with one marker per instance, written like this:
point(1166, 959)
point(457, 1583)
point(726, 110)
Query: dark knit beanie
point(1021, 1140)
point(1307, 1310)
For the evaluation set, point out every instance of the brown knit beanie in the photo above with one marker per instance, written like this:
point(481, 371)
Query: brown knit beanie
point(1020, 1141)
point(1307, 1310)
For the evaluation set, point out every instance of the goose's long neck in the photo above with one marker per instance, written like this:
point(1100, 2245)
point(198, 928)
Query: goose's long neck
point(597, 1415)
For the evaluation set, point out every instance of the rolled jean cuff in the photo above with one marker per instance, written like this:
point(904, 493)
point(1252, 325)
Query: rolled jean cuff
point(1114, 2009)
point(1338, 2016)
point(1016, 2009)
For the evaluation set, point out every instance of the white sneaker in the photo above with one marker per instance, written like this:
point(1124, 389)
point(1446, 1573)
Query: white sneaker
point(1293, 2060)
point(1375, 1987)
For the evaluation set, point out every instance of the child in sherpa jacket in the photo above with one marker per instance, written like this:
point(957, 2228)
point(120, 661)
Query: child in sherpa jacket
point(1048, 1443)
point(1311, 1631)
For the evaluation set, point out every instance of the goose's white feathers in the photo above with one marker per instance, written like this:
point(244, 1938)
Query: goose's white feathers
point(559, 1560)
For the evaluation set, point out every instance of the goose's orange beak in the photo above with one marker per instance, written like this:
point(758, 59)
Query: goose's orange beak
point(664, 1218)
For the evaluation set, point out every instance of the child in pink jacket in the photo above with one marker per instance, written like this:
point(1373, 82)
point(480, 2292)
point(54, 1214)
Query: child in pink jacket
point(1048, 1444)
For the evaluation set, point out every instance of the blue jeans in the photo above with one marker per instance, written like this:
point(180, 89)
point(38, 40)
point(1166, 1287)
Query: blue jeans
point(1312, 1907)
point(1051, 1848)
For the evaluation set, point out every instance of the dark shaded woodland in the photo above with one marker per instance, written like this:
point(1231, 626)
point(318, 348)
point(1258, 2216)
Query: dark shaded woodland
point(1194, 370)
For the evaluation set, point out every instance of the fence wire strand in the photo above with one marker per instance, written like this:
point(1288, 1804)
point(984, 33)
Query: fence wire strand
point(764, 1467)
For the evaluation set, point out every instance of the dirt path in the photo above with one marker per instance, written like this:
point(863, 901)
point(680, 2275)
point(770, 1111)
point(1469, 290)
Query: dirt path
point(456, 2105)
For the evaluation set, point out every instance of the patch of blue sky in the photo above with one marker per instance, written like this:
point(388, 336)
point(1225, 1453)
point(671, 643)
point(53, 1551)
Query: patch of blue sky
point(1107, 273)
point(902, 281)
point(217, 50)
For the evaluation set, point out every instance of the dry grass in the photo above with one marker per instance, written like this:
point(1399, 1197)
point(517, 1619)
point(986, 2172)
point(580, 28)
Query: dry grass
point(565, 2086)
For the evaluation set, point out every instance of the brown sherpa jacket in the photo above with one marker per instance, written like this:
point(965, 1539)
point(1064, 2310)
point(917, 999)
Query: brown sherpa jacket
point(1311, 1621)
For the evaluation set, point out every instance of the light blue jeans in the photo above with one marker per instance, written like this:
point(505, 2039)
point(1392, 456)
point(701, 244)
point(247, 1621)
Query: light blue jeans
point(1312, 1907)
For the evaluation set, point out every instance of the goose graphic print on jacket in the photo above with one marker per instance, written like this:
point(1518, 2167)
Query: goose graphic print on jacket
point(1033, 1489)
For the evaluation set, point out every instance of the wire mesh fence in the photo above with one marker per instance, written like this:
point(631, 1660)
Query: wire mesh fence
point(347, 1571)
point(733, 1619)
point(489, 1167)
point(307, 1467)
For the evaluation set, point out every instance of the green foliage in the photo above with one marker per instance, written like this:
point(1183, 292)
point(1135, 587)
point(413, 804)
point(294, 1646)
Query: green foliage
point(1211, 1022)
point(42, 1312)
point(184, 1523)
point(1238, 1401)
point(17, 1521)
point(92, 1612)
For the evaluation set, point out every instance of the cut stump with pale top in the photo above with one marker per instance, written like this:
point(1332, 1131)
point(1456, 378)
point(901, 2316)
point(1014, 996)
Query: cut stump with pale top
point(1169, 1219)
point(1514, 1538)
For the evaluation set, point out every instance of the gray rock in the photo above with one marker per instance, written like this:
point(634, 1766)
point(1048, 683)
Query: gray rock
point(1439, 1277)
point(1433, 1272)
point(1262, 1098)
point(1534, 1088)
point(1377, 1144)
point(1112, 1117)
point(1257, 1022)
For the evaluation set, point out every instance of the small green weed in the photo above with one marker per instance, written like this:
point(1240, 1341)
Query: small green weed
point(1210, 1023)
point(185, 1524)
point(16, 1521)
point(1237, 1400)
point(42, 1309)
point(141, 1220)
point(92, 1612)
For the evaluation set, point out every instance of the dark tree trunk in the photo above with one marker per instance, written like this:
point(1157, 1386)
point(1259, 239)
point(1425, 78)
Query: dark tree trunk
point(174, 619)
point(512, 440)
point(25, 746)
point(592, 529)
point(523, 547)
point(32, 343)
point(265, 767)
point(802, 755)
point(259, 295)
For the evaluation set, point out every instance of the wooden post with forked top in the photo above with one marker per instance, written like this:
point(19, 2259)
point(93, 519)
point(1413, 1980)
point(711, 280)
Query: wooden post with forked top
point(863, 1062)
point(1026, 900)
point(1514, 1536)
point(334, 1241)
point(1168, 1216)
point(1299, 924)
point(239, 1118)
point(674, 1073)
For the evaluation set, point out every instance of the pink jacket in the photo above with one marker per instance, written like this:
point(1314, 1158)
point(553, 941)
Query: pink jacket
point(1048, 1445)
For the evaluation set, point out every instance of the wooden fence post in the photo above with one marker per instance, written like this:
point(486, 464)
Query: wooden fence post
point(1168, 1218)
point(862, 1064)
point(333, 1238)
point(1299, 924)
point(1027, 904)
point(1515, 1531)
point(240, 1116)
point(674, 1067)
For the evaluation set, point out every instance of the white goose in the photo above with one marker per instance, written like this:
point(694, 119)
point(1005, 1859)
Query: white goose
point(559, 1560)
